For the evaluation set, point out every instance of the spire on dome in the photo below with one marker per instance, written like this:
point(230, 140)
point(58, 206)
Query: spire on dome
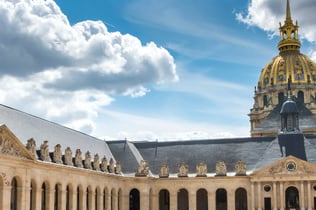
point(289, 33)
point(288, 12)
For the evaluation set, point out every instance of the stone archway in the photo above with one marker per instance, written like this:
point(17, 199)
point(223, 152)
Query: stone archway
point(221, 199)
point(201, 200)
point(292, 200)
point(134, 200)
point(183, 199)
point(241, 199)
point(164, 200)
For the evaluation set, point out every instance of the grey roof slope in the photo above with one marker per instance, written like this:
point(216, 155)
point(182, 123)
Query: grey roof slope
point(123, 152)
point(26, 126)
point(209, 151)
point(273, 120)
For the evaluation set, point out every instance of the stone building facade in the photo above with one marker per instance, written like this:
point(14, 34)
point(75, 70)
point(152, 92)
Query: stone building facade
point(45, 166)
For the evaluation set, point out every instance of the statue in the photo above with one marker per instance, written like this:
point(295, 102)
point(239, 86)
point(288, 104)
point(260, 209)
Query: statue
point(104, 164)
point(57, 154)
point(118, 168)
point(78, 158)
point(111, 166)
point(96, 164)
point(164, 171)
point(68, 156)
point(221, 169)
point(201, 169)
point(183, 170)
point(87, 160)
point(31, 146)
point(143, 168)
point(45, 151)
point(240, 168)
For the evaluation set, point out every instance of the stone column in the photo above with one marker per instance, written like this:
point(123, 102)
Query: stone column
point(252, 196)
point(108, 200)
point(155, 200)
point(6, 198)
point(275, 199)
point(231, 200)
point(259, 196)
point(63, 199)
point(50, 196)
point(309, 196)
point(173, 200)
point(38, 198)
point(211, 200)
point(144, 200)
point(114, 201)
point(192, 200)
point(124, 201)
point(281, 196)
point(302, 195)
point(92, 197)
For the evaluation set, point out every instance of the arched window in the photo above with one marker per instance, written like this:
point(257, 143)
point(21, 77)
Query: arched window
point(88, 199)
point(57, 197)
point(201, 200)
point(79, 197)
point(300, 96)
point(68, 198)
point(241, 199)
point(119, 199)
point(265, 100)
point(14, 194)
point(96, 200)
point(281, 98)
point(32, 195)
point(134, 200)
point(292, 198)
point(183, 199)
point(44, 196)
point(164, 199)
point(221, 199)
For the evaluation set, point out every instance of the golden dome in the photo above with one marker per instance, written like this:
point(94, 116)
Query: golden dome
point(289, 67)
point(294, 65)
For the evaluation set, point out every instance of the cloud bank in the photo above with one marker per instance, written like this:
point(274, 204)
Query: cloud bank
point(266, 14)
point(67, 73)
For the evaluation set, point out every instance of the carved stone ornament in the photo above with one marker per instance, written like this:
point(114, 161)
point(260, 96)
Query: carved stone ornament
point(118, 168)
point(87, 160)
point(68, 156)
point(31, 146)
point(96, 162)
point(183, 170)
point(143, 168)
point(104, 164)
point(10, 145)
point(241, 168)
point(221, 169)
point(111, 166)
point(45, 151)
point(201, 169)
point(164, 171)
point(78, 158)
point(6, 179)
point(57, 154)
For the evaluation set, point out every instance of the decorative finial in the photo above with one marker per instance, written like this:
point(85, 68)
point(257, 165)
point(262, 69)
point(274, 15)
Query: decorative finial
point(288, 11)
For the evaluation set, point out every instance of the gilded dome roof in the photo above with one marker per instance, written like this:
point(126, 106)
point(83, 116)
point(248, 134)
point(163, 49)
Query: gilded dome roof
point(294, 65)
point(290, 63)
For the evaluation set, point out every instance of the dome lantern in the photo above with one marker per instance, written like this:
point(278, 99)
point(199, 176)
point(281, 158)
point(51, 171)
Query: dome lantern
point(289, 33)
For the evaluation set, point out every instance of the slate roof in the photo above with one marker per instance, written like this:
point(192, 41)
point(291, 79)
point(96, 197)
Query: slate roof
point(256, 152)
point(26, 126)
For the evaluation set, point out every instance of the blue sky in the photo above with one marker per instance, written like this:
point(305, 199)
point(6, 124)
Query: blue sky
point(171, 70)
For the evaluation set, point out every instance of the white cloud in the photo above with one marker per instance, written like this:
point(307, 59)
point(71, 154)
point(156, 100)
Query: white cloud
point(65, 73)
point(267, 14)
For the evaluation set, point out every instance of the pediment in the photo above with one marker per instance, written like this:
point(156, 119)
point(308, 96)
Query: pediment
point(11, 145)
point(287, 166)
